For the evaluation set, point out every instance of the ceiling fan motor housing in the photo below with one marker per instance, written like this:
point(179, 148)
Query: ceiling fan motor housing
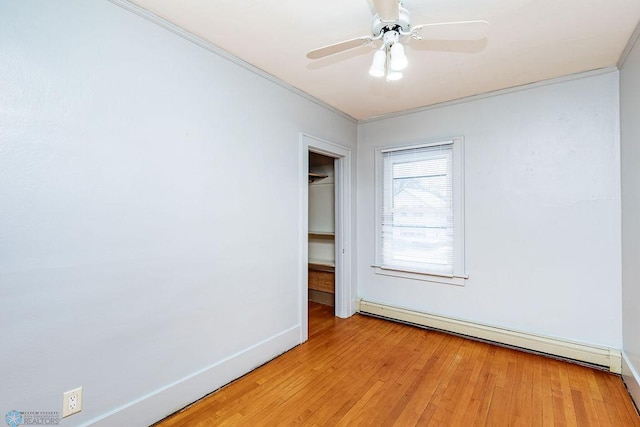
point(401, 24)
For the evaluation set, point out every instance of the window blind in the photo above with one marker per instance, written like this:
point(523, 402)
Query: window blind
point(417, 209)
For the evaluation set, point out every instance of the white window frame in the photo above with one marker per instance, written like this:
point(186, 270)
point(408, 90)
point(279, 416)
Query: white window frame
point(459, 271)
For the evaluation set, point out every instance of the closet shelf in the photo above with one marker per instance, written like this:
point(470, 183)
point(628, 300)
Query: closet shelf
point(322, 264)
point(330, 235)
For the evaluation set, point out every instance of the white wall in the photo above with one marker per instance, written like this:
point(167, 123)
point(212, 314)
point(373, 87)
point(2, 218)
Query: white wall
point(630, 155)
point(542, 210)
point(143, 183)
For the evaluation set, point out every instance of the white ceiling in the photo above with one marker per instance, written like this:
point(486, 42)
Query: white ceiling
point(528, 41)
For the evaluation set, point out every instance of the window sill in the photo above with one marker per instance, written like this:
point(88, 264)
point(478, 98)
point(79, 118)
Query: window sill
point(455, 280)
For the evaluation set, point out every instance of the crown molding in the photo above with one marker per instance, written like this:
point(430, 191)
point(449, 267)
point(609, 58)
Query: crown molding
point(528, 86)
point(151, 17)
point(630, 43)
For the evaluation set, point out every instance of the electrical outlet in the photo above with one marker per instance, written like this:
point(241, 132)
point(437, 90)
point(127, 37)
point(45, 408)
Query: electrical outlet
point(72, 402)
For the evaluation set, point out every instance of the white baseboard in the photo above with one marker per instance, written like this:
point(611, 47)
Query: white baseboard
point(603, 356)
point(631, 379)
point(158, 404)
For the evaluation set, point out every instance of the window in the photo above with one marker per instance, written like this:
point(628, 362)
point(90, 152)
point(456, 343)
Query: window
point(420, 224)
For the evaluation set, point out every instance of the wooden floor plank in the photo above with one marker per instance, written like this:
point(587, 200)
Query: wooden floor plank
point(466, 403)
point(500, 406)
point(425, 384)
point(484, 391)
point(368, 371)
point(442, 406)
point(542, 402)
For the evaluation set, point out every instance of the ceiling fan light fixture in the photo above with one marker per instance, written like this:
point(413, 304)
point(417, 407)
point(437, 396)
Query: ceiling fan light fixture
point(377, 66)
point(391, 24)
point(398, 60)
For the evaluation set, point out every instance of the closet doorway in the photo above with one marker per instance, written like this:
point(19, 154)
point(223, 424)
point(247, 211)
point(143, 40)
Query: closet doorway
point(323, 239)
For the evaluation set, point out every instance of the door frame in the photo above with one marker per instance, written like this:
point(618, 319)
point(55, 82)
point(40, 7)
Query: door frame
point(344, 292)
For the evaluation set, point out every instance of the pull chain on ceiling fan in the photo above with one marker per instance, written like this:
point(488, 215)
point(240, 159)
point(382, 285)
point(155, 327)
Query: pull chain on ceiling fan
point(390, 24)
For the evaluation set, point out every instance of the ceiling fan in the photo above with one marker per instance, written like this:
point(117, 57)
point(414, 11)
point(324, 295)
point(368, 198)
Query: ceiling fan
point(391, 24)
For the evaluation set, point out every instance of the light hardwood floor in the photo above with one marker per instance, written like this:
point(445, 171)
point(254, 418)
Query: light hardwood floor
point(367, 371)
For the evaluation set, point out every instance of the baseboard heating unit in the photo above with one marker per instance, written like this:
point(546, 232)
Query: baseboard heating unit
point(602, 357)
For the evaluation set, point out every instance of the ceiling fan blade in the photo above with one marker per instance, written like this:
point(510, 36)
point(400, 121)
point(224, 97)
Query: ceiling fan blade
point(338, 47)
point(388, 10)
point(463, 30)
